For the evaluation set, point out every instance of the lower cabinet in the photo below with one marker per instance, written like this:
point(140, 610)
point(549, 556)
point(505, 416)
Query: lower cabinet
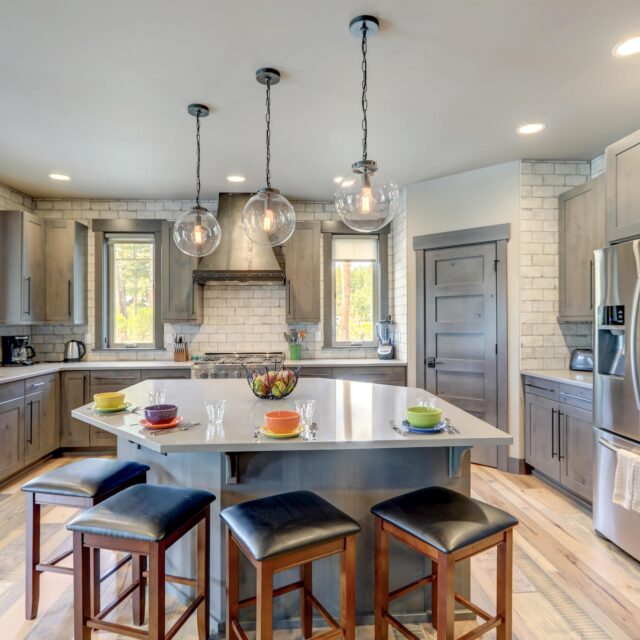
point(559, 434)
point(42, 435)
point(379, 374)
point(11, 428)
point(74, 392)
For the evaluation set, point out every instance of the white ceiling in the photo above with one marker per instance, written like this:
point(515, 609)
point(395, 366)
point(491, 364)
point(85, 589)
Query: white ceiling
point(99, 90)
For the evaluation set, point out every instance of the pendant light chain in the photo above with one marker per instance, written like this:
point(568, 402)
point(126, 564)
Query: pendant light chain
point(198, 159)
point(268, 136)
point(365, 103)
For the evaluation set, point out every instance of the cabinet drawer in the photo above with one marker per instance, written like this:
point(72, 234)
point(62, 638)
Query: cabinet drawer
point(169, 374)
point(316, 372)
point(573, 401)
point(36, 385)
point(123, 377)
point(11, 390)
point(541, 387)
point(576, 392)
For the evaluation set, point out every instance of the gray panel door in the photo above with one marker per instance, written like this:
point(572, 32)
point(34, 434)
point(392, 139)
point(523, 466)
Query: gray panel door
point(461, 332)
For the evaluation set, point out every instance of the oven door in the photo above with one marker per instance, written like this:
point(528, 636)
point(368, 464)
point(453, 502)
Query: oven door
point(619, 525)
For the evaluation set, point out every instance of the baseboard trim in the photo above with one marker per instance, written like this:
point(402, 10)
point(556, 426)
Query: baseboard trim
point(517, 465)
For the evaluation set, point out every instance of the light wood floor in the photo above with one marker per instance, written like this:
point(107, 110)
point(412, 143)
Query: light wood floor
point(568, 583)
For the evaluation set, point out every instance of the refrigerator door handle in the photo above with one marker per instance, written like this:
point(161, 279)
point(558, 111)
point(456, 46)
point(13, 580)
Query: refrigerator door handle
point(608, 445)
point(632, 346)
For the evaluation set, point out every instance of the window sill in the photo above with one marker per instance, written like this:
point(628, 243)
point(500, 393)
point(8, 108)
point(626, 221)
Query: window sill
point(128, 349)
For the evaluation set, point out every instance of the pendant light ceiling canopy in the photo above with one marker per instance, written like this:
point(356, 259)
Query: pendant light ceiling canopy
point(268, 218)
point(197, 232)
point(365, 199)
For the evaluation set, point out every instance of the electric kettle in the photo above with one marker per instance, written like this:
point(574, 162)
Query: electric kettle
point(74, 350)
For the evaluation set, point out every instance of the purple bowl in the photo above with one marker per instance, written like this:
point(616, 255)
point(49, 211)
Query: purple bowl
point(160, 412)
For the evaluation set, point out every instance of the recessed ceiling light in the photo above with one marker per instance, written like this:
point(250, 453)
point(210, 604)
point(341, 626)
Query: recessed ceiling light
point(338, 180)
point(627, 47)
point(236, 178)
point(528, 129)
point(59, 176)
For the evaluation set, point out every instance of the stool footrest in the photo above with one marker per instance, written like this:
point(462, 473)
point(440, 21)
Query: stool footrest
point(238, 630)
point(408, 588)
point(54, 569)
point(197, 601)
point(323, 612)
point(479, 631)
point(327, 635)
point(280, 591)
point(473, 607)
point(116, 601)
point(113, 627)
point(399, 626)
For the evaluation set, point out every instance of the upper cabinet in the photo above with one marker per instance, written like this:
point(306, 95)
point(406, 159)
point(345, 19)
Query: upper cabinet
point(65, 290)
point(302, 256)
point(581, 231)
point(623, 188)
point(21, 268)
point(182, 298)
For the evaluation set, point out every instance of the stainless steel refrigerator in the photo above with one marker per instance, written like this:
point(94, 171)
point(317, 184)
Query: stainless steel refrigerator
point(616, 380)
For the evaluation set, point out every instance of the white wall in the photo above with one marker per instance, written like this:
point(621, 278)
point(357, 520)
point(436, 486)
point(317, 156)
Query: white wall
point(472, 199)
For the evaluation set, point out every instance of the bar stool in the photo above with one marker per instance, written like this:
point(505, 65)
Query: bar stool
point(79, 485)
point(447, 527)
point(144, 520)
point(281, 532)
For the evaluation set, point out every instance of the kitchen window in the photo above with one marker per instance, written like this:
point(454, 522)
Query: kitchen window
point(356, 288)
point(128, 285)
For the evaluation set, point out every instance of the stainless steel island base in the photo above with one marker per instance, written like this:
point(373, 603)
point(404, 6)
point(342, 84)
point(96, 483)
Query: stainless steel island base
point(353, 480)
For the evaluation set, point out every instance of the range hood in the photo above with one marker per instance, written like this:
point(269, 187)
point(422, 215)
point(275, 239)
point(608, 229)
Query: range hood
point(237, 260)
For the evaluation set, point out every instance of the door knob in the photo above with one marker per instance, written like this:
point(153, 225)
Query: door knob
point(432, 362)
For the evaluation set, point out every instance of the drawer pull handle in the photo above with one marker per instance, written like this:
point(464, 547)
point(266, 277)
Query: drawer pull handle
point(535, 386)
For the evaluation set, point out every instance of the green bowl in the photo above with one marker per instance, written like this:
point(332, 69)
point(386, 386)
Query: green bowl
point(424, 416)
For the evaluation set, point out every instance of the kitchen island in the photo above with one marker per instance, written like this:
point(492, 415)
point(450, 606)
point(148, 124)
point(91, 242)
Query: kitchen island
point(355, 460)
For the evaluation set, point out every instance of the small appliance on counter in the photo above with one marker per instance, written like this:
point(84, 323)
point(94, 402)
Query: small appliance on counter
point(74, 350)
point(581, 360)
point(386, 330)
point(16, 350)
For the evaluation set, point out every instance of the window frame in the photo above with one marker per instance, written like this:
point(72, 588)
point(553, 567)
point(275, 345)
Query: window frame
point(381, 273)
point(102, 230)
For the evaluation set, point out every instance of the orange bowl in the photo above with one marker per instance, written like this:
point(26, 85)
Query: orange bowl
point(282, 421)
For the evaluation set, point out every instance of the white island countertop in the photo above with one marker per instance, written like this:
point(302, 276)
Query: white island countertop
point(349, 415)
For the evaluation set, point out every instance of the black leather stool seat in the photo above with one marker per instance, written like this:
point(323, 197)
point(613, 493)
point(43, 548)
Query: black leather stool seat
point(443, 518)
point(147, 512)
point(285, 522)
point(86, 478)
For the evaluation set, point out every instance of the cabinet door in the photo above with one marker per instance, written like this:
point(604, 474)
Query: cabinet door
point(576, 450)
point(74, 393)
point(302, 257)
point(581, 231)
point(11, 436)
point(182, 298)
point(49, 414)
point(623, 188)
point(32, 268)
point(541, 417)
point(33, 425)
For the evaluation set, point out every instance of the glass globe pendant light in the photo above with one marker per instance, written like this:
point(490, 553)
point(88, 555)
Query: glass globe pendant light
point(268, 217)
point(197, 232)
point(366, 200)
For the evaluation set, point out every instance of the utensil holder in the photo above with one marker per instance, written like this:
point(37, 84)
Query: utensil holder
point(294, 352)
point(181, 356)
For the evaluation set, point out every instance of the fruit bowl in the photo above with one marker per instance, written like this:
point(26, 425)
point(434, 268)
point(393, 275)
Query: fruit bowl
point(268, 384)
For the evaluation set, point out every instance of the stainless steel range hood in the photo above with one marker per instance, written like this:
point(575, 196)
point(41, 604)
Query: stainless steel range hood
point(237, 260)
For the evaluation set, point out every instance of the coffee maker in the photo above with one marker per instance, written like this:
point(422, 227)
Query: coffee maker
point(16, 350)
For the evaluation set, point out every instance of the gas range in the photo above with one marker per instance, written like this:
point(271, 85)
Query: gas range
point(231, 365)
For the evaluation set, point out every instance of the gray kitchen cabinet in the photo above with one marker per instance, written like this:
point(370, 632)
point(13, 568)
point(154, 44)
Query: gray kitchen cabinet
point(74, 392)
point(315, 372)
point(559, 433)
point(11, 428)
point(21, 268)
point(581, 227)
point(182, 298)
point(302, 270)
point(41, 417)
point(66, 272)
point(378, 374)
point(168, 374)
point(623, 188)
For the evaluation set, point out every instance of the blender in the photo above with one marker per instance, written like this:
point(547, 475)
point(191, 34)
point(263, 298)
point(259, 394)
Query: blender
point(386, 330)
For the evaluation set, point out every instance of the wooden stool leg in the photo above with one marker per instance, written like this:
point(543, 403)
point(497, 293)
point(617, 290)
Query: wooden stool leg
point(446, 597)
point(202, 585)
point(264, 603)
point(381, 581)
point(306, 608)
point(95, 581)
point(156, 592)
point(232, 584)
point(348, 588)
point(81, 588)
point(434, 595)
point(504, 586)
point(32, 585)
point(138, 566)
